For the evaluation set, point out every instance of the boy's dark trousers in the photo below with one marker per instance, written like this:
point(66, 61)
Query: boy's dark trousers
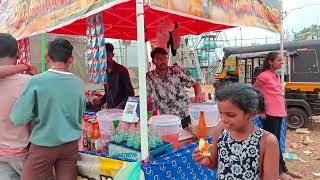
point(41, 160)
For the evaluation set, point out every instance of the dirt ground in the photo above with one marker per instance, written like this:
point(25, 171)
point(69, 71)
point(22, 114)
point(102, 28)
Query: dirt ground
point(307, 164)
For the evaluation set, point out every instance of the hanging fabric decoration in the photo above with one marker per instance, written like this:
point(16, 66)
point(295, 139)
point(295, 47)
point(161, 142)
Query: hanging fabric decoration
point(176, 36)
point(95, 49)
point(168, 36)
point(174, 40)
point(163, 35)
point(24, 51)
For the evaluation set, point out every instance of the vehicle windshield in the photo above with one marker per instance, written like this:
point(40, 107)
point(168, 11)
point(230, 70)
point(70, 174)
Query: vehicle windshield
point(220, 68)
point(230, 64)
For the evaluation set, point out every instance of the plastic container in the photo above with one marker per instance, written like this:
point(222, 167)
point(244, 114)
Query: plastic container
point(105, 117)
point(211, 113)
point(169, 126)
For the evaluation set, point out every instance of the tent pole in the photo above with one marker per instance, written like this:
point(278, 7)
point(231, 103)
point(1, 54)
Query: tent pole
point(282, 47)
point(142, 79)
point(43, 51)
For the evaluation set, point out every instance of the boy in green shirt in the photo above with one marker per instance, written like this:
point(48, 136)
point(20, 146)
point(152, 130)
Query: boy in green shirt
point(54, 102)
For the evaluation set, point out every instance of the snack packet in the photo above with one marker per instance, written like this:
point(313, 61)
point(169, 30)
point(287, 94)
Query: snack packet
point(204, 147)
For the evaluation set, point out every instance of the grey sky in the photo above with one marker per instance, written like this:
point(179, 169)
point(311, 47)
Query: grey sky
point(304, 17)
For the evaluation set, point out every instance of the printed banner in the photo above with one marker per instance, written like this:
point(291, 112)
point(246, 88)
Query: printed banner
point(92, 167)
point(262, 13)
point(23, 18)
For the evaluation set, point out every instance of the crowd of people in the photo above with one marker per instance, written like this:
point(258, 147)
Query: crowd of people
point(41, 114)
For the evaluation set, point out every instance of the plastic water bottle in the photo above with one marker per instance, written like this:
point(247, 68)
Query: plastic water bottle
point(131, 136)
point(137, 141)
point(152, 138)
point(158, 135)
point(117, 136)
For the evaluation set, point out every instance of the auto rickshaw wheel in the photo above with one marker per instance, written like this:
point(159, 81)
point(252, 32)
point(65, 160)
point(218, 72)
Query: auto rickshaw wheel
point(296, 118)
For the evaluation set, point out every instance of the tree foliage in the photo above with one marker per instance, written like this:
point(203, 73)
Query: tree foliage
point(303, 34)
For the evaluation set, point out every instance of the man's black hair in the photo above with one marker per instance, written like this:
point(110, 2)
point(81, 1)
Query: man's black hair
point(243, 96)
point(109, 47)
point(60, 50)
point(8, 45)
point(158, 50)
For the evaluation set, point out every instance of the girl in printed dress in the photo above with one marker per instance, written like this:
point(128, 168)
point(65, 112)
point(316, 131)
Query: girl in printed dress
point(240, 149)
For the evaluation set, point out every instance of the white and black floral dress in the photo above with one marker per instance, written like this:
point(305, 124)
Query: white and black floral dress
point(239, 160)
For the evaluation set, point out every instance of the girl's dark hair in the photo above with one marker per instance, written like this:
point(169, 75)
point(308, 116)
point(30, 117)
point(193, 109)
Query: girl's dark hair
point(270, 57)
point(243, 96)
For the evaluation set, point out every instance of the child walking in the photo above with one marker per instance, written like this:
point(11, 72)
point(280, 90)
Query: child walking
point(240, 149)
point(53, 102)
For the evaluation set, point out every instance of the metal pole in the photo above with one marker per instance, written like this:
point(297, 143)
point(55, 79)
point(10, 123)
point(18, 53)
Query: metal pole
point(121, 53)
point(281, 47)
point(142, 80)
point(43, 51)
point(241, 36)
point(266, 39)
point(317, 28)
point(126, 56)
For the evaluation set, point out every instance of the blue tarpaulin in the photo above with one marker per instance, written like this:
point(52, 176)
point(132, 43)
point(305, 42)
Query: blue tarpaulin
point(180, 165)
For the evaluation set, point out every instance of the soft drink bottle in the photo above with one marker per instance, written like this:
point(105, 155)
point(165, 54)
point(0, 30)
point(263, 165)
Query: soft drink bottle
point(150, 114)
point(96, 144)
point(202, 127)
point(89, 132)
point(85, 131)
point(155, 112)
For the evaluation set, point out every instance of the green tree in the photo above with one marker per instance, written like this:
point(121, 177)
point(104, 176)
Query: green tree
point(303, 34)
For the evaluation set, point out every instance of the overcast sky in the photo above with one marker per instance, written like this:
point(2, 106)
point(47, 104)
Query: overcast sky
point(299, 18)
